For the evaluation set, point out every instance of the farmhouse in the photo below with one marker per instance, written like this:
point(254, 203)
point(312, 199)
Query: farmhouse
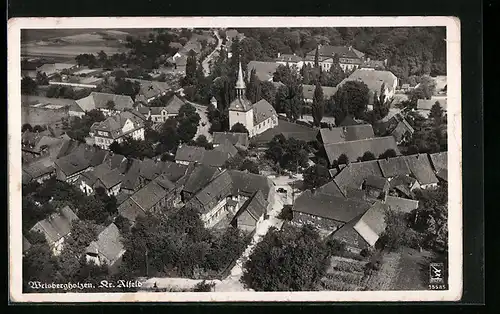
point(116, 128)
point(290, 60)
point(150, 90)
point(107, 103)
point(56, 228)
point(345, 134)
point(237, 139)
point(348, 57)
point(355, 149)
point(308, 92)
point(227, 192)
point(108, 249)
point(421, 169)
point(263, 70)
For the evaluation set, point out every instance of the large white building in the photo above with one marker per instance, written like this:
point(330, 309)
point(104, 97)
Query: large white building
point(116, 128)
point(257, 117)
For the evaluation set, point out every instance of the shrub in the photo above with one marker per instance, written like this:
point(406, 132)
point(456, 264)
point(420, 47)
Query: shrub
point(203, 286)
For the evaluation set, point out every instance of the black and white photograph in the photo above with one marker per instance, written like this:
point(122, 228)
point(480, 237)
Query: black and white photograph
point(234, 159)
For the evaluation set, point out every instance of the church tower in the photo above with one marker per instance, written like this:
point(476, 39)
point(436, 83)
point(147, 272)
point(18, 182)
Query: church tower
point(240, 110)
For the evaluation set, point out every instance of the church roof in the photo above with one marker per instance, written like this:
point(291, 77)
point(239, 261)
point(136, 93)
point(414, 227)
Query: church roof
point(240, 83)
point(240, 104)
point(262, 110)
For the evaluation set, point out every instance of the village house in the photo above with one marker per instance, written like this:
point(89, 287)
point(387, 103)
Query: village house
point(354, 175)
point(51, 69)
point(239, 140)
point(401, 204)
point(363, 232)
point(376, 186)
point(81, 159)
point(56, 228)
point(257, 117)
point(150, 90)
point(250, 213)
point(161, 114)
point(326, 212)
point(333, 135)
point(39, 171)
point(154, 197)
point(349, 58)
point(290, 60)
point(393, 167)
point(102, 176)
point(400, 129)
point(198, 179)
point(421, 169)
point(424, 105)
point(378, 82)
point(107, 250)
point(109, 104)
point(440, 165)
point(186, 154)
point(116, 128)
point(36, 145)
point(264, 70)
point(355, 149)
point(308, 92)
point(288, 130)
point(226, 193)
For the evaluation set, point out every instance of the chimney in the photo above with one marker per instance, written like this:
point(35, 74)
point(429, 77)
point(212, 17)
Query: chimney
point(279, 54)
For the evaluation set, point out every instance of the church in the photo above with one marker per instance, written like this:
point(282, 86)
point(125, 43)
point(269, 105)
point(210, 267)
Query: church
point(257, 117)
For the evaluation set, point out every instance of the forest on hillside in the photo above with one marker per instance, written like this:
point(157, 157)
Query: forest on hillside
point(409, 50)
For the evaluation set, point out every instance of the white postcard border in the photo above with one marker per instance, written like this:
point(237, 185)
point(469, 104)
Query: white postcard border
point(455, 271)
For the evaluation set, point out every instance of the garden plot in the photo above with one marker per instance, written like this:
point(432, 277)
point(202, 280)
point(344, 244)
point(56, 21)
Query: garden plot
point(344, 274)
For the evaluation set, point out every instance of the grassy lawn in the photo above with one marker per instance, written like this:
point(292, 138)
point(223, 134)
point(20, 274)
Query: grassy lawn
point(413, 270)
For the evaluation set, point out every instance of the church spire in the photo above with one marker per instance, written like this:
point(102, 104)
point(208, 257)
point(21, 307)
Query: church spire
point(240, 83)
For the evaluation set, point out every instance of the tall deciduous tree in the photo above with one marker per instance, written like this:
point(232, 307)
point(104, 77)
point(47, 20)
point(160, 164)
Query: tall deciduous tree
point(279, 261)
point(318, 108)
point(253, 87)
point(316, 176)
point(316, 57)
point(352, 98)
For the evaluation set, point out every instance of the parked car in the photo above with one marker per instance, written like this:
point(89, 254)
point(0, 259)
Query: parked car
point(281, 190)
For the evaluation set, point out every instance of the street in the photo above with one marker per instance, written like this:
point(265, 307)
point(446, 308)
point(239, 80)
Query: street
point(204, 125)
point(210, 57)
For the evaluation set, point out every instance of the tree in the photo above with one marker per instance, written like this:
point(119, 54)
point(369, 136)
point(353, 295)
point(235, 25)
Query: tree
point(352, 98)
point(38, 265)
point(238, 128)
point(190, 70)
point(253, 87)
point(425, 89)
point(26, 127)
point(388, 154)
point(201, 141)
point(188, 120)
point(28, 86)
point(291, 260)
point(169, 138)
point(289, 99)
point(343, 159)
point(250, 166)
point(41, 78)
point(316, 57)
point(268, 92)
point(318, 105)
point(436, 113)
point(93, 209)
point(316, 176)
point(110, 105)
point(368, 156)
point(38, 129)
point(288, 153)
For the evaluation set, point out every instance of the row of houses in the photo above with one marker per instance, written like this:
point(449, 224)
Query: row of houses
point(351, 207)
point(348, 57)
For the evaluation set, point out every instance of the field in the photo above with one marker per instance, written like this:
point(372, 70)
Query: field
point(406, 269)
point(65, 44)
